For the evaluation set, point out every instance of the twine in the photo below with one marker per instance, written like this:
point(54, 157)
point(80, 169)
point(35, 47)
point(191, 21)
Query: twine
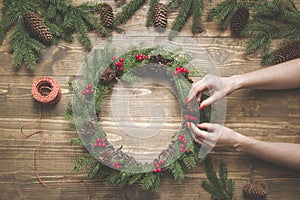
point(46, 91)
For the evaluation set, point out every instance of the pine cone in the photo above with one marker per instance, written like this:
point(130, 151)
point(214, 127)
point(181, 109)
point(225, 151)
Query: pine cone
point(160, 16)
point(254, 191)
point(239, 21)
point(106, 15)
point(88, 128)
point(159, 59)
point(37, 28)
point(107, 75)
point(289, 52)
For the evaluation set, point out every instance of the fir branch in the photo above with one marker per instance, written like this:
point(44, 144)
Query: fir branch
point(220, 188)
point(181, 18)
point(197, 13)
point(149, 21)
point(177, 171)
point(223, 13)
point(127, 11)
point(5, 24)
point(151, 181)
point(173, 4)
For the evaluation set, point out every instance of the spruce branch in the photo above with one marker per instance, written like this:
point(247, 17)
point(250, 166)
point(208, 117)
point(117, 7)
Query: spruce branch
point(197, 13)
point(173, 4)
point(151, 181)
point(181, 18)
point(220, 188)
point(127, 11)
point(149, 21)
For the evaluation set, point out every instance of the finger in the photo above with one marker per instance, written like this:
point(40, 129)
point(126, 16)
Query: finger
point(199, 96)
point(207, 102)
point(196, 88)
point(196, 132)
point(207, 126)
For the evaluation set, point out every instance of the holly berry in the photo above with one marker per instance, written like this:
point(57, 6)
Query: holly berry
point(186, 151)
point(162, 162)
point(121, 60)
point(121, 68)
point(120, 64)
point(117, 64)
point(84, 92)
point(137, 56)
point(146, 57)
point(140, 58)
point(113, 58)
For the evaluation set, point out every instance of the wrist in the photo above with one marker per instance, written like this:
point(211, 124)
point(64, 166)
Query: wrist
point(242, 143)
point(237, 82)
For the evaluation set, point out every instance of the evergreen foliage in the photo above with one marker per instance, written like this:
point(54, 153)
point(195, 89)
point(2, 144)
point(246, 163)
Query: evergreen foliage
point(270, 20)
point(220, 188)
point(149, 21)
point(127, 11)
point(95, 169)
point(180, 20)
point(61, 17)
point(197, 13)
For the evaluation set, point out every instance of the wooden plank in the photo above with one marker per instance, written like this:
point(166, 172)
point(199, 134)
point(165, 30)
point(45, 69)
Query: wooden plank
point(266, 115)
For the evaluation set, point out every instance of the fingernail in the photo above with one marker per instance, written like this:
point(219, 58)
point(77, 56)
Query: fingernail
point(186, 124)
point(186, 100)
point(202, 106)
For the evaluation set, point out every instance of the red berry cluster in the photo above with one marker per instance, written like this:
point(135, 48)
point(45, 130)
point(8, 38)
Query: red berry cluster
point(100, 142)
point(141, 57)
point(88, 89)
point(117, 165)
point(119, 63)
point(180, 70)
point(190, 117)
point(158, 166)
point(184, 142)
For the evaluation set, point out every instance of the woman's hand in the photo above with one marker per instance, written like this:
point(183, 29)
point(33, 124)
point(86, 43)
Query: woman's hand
point(220, 87)
point(216, 135)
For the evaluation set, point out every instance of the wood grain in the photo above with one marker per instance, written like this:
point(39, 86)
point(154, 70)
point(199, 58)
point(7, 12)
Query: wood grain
point(265, 115)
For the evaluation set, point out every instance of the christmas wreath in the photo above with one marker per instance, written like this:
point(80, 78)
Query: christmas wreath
point(101, 72)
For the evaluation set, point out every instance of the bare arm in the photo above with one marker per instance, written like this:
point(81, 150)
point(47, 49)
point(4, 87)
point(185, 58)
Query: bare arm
point(282, 76)
point(284, 154)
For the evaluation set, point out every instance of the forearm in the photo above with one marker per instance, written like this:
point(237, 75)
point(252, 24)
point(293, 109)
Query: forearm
point(282, 76)
point(284, 154)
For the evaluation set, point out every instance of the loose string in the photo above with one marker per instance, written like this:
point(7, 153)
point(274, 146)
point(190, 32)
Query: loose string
point(37, 87)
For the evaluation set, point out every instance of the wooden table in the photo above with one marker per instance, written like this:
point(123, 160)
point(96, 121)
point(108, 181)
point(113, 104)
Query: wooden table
point(265, 115)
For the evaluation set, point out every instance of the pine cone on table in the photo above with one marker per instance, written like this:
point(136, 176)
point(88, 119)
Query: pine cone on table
point(289, 52)
point(37, 28)
point(106, 15)
point(160, 16)
point(254, 191)
point(239, 21)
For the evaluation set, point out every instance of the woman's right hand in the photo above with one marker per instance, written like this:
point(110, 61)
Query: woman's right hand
point(219, 86)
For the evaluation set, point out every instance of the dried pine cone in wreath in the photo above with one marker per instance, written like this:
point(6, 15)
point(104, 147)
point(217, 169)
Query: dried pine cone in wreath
point(254, 191)
point(289, 52)
point(106, 15)
point(160, 16)
point(159, 59)
point(38, 28)
point(239, 21)
point(107, 75)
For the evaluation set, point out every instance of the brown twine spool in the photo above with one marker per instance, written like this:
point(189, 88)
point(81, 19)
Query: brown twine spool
point(46, 91)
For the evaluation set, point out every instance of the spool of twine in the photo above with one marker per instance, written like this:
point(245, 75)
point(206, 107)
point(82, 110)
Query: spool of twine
point(45, 90)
